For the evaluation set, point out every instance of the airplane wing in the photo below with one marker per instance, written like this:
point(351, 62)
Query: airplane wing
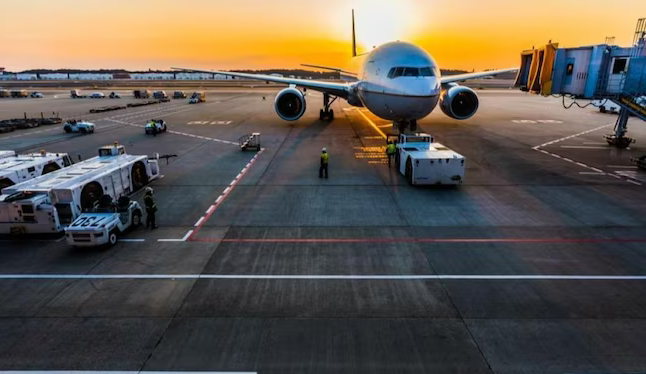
point(462, 77)
point(329, 68)
point(335, 89)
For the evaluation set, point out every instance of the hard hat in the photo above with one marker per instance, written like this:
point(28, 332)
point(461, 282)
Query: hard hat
point(149, 189)
point(324, 150)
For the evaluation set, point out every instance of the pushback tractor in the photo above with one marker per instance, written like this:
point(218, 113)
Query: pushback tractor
point(15, 169)
point(424, 162)
point(47, 204)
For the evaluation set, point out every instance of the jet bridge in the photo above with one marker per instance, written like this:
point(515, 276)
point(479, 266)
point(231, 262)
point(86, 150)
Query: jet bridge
point(597, 72)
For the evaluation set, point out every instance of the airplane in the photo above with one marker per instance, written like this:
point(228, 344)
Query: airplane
point(398, 81)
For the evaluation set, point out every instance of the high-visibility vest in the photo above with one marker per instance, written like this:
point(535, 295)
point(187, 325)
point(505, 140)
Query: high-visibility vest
point(390, 149)
point(325, 158)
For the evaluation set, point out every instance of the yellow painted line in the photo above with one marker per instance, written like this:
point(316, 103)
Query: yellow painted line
point(373, 124)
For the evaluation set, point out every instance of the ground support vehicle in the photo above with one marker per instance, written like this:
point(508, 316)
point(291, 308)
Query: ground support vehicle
point(47, 204)
point(104, 224)
point(424, 162)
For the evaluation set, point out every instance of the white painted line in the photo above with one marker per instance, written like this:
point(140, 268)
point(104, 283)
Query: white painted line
point(170, 240)
point(330, 277)
point(119, 372)
point(633, 182)
point(187, 235)
point(591, 173)
point(615, 175)
point(239, 174)
point(583, 147)
point(226, 190)
point(597, 170)
point(210, 210)
point(581, 164)
point(623, 166)
point(199, 221)
point(232, 183)
point(132, 240)
point(218, 199)
point(575, 135)
point(596, 143)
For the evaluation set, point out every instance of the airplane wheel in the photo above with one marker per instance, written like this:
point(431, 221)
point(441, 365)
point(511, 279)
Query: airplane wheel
point(409, 171)
point(331, 116)
point(321, 114)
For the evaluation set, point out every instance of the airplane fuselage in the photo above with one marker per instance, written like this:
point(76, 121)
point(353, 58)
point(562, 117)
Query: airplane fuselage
point(399, 81)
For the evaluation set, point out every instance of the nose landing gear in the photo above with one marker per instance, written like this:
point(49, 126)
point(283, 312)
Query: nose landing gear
point(327, 113)
point(404, 126)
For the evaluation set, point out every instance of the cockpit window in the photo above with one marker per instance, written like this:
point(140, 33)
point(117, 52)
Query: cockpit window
point(411, 72)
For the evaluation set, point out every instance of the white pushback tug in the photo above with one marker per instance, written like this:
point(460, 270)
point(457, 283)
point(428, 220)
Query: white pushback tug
point(422, 161)
point(16, 168)
point(48, 203)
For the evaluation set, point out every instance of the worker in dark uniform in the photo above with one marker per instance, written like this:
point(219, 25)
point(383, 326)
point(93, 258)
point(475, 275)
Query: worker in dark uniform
point(325, 159)
point(151, 208)
point(390, 151)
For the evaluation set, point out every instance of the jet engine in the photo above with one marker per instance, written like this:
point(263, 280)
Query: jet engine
point(290, 104)
point(459, 102)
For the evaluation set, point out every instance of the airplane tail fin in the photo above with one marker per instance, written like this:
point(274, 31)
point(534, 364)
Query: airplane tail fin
point(354, 39)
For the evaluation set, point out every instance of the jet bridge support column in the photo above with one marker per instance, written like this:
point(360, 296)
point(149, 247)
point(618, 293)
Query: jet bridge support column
point(619, 138)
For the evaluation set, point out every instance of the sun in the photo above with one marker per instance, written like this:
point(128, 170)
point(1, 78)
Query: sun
point(379, 22)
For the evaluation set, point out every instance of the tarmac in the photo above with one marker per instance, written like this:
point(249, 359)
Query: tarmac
point(536, 264)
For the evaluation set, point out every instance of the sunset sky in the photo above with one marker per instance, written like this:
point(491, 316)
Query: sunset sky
point(254, 34)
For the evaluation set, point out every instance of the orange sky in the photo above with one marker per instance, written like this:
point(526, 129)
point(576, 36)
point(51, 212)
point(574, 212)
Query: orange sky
point(253, 34)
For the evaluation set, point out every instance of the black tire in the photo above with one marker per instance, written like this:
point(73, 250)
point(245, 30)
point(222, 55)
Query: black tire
point(82, 130)
point(136, 218)
point(409, 171)
point(138, 176)
point(67, 129)
point(321, 115)
point(113, 237)
point(602, 109)
point(331, 115)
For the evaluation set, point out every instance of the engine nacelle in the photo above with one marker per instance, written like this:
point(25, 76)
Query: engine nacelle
point(459, 102)
point(290, 104)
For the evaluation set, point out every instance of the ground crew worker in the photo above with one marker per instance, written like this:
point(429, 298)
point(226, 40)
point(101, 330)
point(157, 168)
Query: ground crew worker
point(390, 151)
point(151, 208)
point(325, 159)
point(154, 126)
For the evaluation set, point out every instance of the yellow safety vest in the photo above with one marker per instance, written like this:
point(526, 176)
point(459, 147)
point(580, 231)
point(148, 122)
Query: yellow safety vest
point(325, 158)
point(390, 149)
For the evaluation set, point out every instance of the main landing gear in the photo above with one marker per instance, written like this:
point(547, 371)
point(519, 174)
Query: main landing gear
point(405, 125)
point(327, 113)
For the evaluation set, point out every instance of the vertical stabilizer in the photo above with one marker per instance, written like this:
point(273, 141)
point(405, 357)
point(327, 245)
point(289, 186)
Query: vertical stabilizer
point(354, 39)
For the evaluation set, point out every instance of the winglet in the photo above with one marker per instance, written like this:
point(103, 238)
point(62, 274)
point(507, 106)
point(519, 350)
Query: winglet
point(354, 39)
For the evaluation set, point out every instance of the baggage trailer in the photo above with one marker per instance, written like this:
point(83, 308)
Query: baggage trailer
point(19, 168)
point(47, 204)
point(424, 162)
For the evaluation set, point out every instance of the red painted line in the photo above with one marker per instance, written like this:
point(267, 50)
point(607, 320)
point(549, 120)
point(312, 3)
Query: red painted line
point(423, 240)
point(221, 198)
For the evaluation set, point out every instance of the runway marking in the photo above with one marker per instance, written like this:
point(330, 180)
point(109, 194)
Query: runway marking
point(596, 143)
point(132, 240)
point(177, 240)
point(223, 195)
point(583, 147)
point(211, 209)
point(478, 277)
point(119, 372)
point(427, 240)
point(591, 173)
point(372, 124)
point(623, 166)
point(575, 135)
point(626, 178)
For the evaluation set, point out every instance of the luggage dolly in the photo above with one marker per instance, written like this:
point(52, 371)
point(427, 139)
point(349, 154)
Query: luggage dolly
point(250, 141)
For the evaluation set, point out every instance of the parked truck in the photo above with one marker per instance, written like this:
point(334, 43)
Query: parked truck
point(422, 161)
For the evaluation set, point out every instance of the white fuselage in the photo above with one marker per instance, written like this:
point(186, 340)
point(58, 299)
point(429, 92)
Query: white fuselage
point(399, 81)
